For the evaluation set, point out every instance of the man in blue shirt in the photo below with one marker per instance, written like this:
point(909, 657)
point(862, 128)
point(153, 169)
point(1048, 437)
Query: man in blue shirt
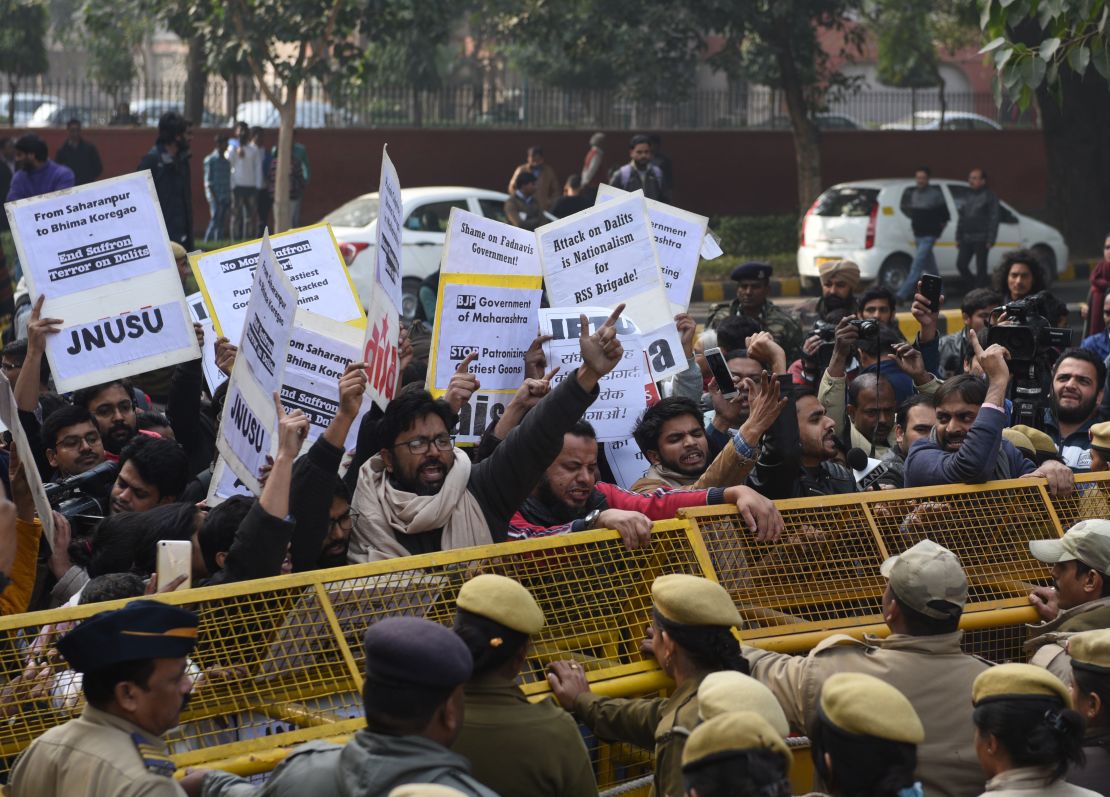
point(1099, 342)
point(217, 189)
point(35, 173)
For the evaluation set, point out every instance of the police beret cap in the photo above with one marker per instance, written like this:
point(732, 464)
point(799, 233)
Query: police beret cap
point(502, 600)
point(1018, 681)
point(1020, 441)
point(727, 690)
point(690, 600)
point(863, 705)
point(1042, 443)
point(143, 629)
point(1100, 435)
point(178, 250)
point(731, 733)
point(412, 651)
point(752, 270)
point(1090, 650)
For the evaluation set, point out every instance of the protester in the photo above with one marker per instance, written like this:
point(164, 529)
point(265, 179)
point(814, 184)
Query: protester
point(521, 208)
point(516, 748)
point(1027, 735)
point(753, 283)
point(737, 753)
point(168, 161)
point(152, 471)
point(246, 181)
point(572, 200)
point(1096, 298)
point(1079, 599)
point(928, 212)
point(79, 155)
point(547, 183)
point(914, 420)
point(133, 663)
point(35, 173)
point(640, 173)
point(1090, 694)
point(976, 310)
point(690, 636)
point(413, 702)
point(217, 190)
point(71, 442)
point(976, 228)
point(924, 598)
point(1078, 377)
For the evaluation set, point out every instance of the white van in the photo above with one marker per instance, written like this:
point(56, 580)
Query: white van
point(864, 222)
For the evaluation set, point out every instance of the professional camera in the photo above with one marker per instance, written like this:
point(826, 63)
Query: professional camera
point(1033, 344)
point(866, 327)
point(83, 499)
point(825, 331)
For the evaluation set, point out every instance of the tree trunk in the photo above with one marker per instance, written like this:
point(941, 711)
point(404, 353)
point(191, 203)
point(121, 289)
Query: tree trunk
point(807, 150)
point(1077, 148)
point(283, 211)
point(196, 80)
point(13, 84)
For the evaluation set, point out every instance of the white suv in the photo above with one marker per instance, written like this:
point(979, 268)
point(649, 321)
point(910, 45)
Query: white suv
point(865, 222)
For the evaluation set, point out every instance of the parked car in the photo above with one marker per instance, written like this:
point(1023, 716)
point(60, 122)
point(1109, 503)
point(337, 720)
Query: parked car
point(424, 232)
point(148, 112)
point(26, 103)
point(953, 120)
point(310, 114)
point(51, 114)
point(824, 121)
point(867, 222)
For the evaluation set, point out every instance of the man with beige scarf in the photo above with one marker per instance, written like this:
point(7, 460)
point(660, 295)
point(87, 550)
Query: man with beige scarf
point(421, 494)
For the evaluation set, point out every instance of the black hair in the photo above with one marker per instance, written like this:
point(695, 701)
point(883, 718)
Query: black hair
point(878, 292)
point(222, 138)
point(535, 150)
point(920, 624)
point(1088, 681)
point(73, 120)
point(650, 425)
point(171, 126)
point(981, 170)
point(802, 391)
point(32, 145)
point(1083, 569)
point(17, 350)
point(111, 587)
point(99, 686)
point(1009, 260)
point(868, 381)
point(862, 766)
point(925, 169)
point(85, 396)
point(398, 709)
point(1087, 356)
point(583, 428)
point(113, 544)
point(159, 461)
point(149, 419)
point(710, 647)
point(979, 299)
point(734, 331)
point(901, 417)
point(574, 181)
point(1035, 730)
point(217, 533)
point(970, 388)
point(340, 489)
point(62, 418)
point(491, 644)
point(409, 406)
point(638, 139)
point(175, 521)
point(747, 773)
point(523, 179)
point(887, 340)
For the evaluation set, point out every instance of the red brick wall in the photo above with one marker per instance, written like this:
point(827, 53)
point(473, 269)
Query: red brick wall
point(716, 172)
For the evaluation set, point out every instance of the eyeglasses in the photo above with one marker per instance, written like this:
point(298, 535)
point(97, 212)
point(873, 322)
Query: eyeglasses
point(73, 440)
point(108, 410)
point(419, 445)
point(345, 522)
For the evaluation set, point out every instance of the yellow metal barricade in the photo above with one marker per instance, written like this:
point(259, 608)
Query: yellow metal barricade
point(279, 661)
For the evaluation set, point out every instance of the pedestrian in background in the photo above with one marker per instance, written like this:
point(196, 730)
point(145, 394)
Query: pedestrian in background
point(640, 172)
point(928, 212)
point(572, 200)
point(547, 183)
point(217, 190)
point(591, 165)
point(521, 208)
point(1100, 282)
point(35, 173)
point(168, 161)
point(79, 155)
point(976, 228)
point(246, 177)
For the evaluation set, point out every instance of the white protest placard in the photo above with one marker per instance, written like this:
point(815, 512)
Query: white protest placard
point(678, 244)
point(319, 352)
point(198, 311)
point(269, 321)
point(627, 462)
point(10, 418)
point(100, 255)
point(311, 260)
point(606, 254)
point(477, 245)
point(224, 484)
point(383, 317)
point(621, 398)
point(247, 426)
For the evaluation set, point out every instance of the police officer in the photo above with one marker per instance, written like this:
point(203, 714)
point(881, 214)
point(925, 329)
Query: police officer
point(924, 598)
point(1090, 692)
point(135, 681)
point(690, 636)
point(728, 690)
point(753, 282)
point(737, 752)
point(413, 699)
point(517, 748)
point(1079, 599)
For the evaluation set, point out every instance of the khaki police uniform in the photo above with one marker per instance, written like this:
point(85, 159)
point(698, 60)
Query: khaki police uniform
point(1090, 651)
point(522, 749)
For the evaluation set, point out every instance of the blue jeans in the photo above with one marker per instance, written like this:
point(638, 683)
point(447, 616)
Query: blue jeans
point(924, 262)
point(217, 226)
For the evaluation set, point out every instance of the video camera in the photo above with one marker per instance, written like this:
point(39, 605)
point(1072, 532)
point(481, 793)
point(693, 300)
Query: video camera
point(83, 499)
point(1033, 344)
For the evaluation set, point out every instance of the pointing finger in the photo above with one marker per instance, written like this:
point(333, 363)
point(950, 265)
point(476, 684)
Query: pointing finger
point(551, 374)
point(975, 345)
point(464, 366)
point(278, 406)
point(611, 321)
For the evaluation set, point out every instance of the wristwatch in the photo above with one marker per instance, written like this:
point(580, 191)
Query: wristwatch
point(591, 518)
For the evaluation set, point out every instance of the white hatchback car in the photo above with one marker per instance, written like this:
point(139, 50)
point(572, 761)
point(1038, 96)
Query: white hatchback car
point(423, 235)
point(865, 222)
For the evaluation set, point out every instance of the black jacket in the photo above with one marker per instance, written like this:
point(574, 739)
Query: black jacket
point(83, 159)
point(978, 220)
point(310, 494)
point(788, 480)
point(928, 211)
point(171, 181)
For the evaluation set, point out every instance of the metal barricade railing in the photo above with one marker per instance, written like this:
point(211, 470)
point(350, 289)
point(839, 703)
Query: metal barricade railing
point(280, 661)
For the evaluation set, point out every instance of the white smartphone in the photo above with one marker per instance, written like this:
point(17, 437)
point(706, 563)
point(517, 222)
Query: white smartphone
point(721, 373)
point(175, 558)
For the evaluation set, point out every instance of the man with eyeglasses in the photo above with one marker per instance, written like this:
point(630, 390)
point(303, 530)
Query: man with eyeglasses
point(72, 442)
point(112, 405)
point(420, 494)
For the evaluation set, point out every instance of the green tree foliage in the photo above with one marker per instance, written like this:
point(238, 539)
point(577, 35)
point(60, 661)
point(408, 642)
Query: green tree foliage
point(22, 45)
point(113, 40)
point(907, 56)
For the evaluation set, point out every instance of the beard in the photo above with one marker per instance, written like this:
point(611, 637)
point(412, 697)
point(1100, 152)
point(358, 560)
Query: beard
point(559, 508)
point(1077, 414)
point(412, 483)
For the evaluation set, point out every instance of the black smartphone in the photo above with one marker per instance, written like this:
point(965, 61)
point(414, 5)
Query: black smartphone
point(931, 287)
point(722, 375)
point(784, 430)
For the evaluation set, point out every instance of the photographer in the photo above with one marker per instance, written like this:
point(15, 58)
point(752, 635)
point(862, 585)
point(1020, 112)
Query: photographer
point(966, 446)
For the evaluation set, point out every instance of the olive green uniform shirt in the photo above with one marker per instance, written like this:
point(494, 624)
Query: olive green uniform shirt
point(772, 318)
point(662, 723)
point(522, 749)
